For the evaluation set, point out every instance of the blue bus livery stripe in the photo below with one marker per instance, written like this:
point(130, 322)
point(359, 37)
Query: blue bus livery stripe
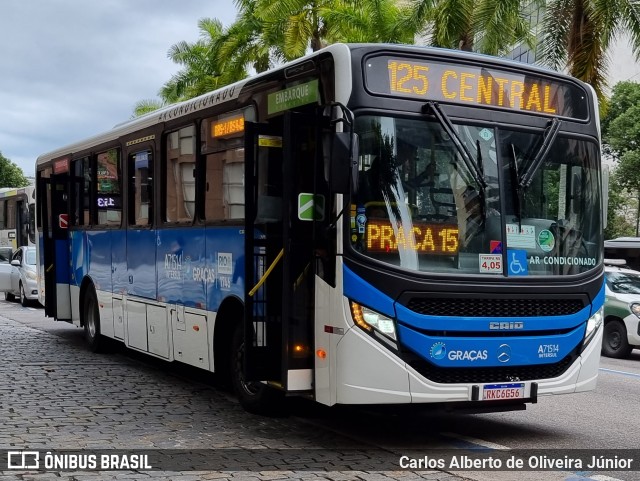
point(490, 351)
point(482, 324)
point(476, 351)
point(62, 261)
point(356, 289)
point(195, 267)
point(598, 301)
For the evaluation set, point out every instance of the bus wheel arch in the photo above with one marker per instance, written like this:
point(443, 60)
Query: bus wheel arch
point(90, 316)
point(254, 397)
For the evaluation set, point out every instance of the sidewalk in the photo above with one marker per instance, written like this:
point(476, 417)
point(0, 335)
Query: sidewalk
point(56, 395)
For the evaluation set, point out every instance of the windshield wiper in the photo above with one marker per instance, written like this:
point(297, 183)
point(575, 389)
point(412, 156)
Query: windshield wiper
point(515, 179)
point(446, 124)
point(547, 141)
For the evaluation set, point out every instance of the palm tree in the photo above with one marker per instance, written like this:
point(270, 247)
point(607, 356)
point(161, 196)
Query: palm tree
point(577, 35)
point(146, 106)
point(248, 44)
point(487, 26)
point(203, 69)
point(311, 25)
point(370, 21)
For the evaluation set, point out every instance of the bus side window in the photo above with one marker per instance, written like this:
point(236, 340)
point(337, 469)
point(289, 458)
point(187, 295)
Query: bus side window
point(180, 182)
point(81, 169)
point(3, 212)
point(141, 188)
point(11, 214)
point(224, 189)
point(109, 172)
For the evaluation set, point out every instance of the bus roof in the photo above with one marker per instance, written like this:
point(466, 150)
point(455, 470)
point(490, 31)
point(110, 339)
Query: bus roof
point(215, 97)
point(232, 91)
point(623, 243)
point(12, 191)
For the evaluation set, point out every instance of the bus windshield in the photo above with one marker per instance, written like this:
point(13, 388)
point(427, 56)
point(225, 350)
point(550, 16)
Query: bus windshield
point(484, 200)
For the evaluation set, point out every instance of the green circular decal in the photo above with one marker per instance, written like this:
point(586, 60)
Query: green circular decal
point(546, 241)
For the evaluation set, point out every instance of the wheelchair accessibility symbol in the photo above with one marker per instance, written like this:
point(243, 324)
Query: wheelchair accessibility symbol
point(517, 262)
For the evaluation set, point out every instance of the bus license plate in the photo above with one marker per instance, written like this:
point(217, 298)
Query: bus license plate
point(496, 392)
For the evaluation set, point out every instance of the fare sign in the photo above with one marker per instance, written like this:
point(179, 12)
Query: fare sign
point(438, 239)
point(475, 85)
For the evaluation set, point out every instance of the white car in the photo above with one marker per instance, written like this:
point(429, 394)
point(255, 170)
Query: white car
point(19, 278)
point(621, 310)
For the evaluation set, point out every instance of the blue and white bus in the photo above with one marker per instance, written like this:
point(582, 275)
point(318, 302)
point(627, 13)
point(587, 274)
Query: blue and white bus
point(369, 224)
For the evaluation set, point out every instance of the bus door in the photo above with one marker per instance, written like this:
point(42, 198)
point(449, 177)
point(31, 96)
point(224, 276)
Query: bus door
point(22, 221)
point(53, 194)
point(283, 159)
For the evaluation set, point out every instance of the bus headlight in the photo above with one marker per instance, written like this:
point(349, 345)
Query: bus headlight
point(593, 324)
point(370, 320)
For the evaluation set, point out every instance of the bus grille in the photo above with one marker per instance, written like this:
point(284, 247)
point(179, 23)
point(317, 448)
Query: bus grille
point(477, 375)
point(494, 307)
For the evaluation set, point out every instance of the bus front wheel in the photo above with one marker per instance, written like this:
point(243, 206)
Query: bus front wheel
point(91, 319)
point(255, 397)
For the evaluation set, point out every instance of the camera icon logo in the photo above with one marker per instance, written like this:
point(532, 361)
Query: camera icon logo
point(23, 460)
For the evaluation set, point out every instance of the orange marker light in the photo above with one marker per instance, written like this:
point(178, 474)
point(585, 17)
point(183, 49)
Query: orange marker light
point(321, 353)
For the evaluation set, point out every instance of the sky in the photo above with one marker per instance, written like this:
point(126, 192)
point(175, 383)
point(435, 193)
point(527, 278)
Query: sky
point(70, 69)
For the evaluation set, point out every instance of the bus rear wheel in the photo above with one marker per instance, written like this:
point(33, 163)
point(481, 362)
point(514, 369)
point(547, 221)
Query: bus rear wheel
point(91, 320)
point(255, 397)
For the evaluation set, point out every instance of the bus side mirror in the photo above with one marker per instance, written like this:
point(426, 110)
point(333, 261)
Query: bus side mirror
point(344, 163)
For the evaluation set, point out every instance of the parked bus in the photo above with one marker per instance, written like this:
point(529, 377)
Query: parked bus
point(17, 217)
point(369, 224)
point(627, 248)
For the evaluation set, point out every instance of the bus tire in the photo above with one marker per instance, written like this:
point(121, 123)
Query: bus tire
point(614, 340)
point(91, 321)
point(254, 397)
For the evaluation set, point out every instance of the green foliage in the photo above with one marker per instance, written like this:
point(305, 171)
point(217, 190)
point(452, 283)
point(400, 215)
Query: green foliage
point(10, 174)
point(487, 26)
point(621, 136)
point(144, 107)
point(203, 70)
point(577, 35)
point(269, 32)
point(624, 96)
point(621, 212)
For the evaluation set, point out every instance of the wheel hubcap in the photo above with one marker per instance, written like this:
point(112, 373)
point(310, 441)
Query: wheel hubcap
point(615, 340)
point(91, 321)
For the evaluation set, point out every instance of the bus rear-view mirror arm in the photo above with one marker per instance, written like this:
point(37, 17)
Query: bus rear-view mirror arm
point(342, 162)
point(343, 170)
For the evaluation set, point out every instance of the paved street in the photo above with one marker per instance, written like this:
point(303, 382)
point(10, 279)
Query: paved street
point(55, 394)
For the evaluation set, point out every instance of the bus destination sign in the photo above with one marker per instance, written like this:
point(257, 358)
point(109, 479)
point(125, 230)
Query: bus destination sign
point(227, 126)
point(437, 239)
point(475, 86)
